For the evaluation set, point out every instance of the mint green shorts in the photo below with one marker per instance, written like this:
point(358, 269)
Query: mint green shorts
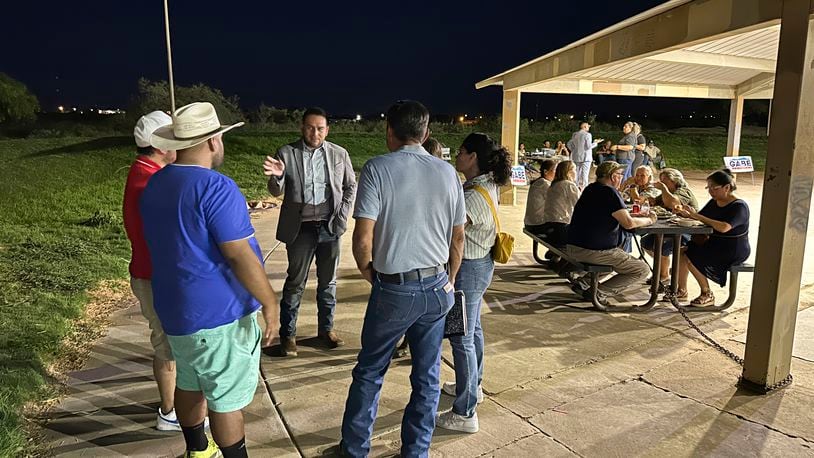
point(223, 363)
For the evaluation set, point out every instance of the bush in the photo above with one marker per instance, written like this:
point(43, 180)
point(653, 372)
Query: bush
point(155, 95)
point(16, 102)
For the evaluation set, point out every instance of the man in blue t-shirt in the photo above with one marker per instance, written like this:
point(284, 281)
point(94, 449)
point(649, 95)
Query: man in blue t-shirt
point(593, 235)
point(208, 281)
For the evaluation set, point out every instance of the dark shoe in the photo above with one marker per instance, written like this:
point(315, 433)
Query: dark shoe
point(331, 339)
point(288, 346)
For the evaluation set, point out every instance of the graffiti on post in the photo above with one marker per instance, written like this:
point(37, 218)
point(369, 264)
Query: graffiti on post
point(800, 203)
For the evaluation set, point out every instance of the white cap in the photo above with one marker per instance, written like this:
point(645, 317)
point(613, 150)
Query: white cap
point(148, 124)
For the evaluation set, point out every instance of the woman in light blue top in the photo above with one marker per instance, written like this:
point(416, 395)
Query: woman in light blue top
point(486, 165)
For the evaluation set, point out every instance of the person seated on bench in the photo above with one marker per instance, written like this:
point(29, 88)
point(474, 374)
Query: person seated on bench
point(728, 245)
point(639, 186)
point(593, 234)
point(535, 203)
point(675, 192)
point(560, 200)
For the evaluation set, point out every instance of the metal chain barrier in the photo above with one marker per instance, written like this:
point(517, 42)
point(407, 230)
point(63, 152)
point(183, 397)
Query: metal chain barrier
point(726, 352)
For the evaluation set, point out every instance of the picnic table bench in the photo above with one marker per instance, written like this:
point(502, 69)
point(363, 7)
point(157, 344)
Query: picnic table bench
point(659, 229)
point(593, 270)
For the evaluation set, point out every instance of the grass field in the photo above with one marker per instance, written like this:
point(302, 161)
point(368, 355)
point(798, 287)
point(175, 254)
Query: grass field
point(61, 234)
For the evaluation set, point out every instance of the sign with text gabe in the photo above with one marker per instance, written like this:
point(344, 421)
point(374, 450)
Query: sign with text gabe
point(739, 164)
point(519, 175)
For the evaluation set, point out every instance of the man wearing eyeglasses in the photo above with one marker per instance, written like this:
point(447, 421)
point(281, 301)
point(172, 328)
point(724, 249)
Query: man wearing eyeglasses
point(593, 235)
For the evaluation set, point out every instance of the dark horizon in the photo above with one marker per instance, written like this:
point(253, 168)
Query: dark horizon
point(347, 59)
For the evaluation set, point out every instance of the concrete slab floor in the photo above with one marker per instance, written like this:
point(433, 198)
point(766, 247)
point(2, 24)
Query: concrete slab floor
point(560, 379)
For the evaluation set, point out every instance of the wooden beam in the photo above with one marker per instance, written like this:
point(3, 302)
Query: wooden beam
point(635, 88)
point(510, 137)
point(786, 203)
point(684, 56)
point(755, 84)
point(733, 138)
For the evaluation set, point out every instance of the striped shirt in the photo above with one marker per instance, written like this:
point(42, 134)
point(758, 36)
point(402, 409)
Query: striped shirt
point(480, 231)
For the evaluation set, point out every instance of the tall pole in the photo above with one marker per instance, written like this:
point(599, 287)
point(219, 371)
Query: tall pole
point(169, 55)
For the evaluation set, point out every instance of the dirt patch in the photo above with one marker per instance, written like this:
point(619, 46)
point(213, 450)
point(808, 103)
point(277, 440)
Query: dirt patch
point(104, 300)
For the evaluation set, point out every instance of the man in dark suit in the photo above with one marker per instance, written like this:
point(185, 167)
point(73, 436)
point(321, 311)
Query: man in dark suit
point(319, 186)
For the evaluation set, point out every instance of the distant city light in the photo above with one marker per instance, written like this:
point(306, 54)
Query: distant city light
point(74, 108)
point(461, 118)
point(382, 115)
point(571, 117)
point(61, 108)
point(358, 117)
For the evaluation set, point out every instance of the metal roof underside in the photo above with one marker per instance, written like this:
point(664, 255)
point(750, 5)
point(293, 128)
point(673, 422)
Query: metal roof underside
point(683, 48)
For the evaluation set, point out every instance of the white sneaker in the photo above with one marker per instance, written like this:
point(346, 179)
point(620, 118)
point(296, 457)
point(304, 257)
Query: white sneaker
point(449, 388)
point(169, 421)
point(451, 420)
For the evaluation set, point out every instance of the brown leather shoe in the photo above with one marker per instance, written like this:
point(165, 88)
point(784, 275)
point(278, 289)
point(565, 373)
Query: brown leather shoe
point(331, 339)
point(288, 346)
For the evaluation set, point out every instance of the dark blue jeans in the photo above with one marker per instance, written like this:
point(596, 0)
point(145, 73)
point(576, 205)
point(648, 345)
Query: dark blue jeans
point(467, 351)
point(417, 309)
point(314, 240)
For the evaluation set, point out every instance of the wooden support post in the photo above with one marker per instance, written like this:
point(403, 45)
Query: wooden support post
point(786, 202)
point(733, 138)
point(510, 136)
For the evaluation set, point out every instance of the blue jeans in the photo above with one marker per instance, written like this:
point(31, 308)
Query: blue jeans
point(314, 240)
point(628, 163)
point(418, 309)
point(467, 351)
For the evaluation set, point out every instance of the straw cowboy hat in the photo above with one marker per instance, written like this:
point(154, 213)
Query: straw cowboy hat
point(192, 125)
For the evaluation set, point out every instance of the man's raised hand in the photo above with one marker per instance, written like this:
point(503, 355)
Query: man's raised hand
point(273, 167)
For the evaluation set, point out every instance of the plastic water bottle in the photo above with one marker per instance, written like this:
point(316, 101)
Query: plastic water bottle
point(645, 208)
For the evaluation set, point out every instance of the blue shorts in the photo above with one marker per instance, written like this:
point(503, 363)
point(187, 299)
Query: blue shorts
point(667, 247)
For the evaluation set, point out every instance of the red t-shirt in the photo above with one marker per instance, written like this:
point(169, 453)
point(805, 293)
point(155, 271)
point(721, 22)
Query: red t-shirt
point(140, 172)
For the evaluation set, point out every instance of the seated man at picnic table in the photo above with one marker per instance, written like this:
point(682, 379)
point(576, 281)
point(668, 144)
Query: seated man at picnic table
point(593, 235)
point(675, 193)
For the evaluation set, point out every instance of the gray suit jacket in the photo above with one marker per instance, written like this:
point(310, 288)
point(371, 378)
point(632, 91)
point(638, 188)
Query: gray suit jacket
point(342, 182)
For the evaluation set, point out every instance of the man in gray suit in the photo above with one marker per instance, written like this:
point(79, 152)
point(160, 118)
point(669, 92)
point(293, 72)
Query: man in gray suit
point(319, 187)
point(581, 146)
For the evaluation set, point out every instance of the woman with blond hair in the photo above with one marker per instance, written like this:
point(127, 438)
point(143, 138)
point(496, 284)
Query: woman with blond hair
point(560, 200)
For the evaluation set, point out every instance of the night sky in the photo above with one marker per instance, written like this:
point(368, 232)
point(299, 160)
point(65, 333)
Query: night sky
point(344, 56)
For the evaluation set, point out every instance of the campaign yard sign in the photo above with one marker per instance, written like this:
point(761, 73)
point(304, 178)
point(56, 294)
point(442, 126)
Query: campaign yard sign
point(739, 164)
point(519, 176)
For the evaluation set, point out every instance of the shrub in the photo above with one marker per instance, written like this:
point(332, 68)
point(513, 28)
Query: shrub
point(155, 95)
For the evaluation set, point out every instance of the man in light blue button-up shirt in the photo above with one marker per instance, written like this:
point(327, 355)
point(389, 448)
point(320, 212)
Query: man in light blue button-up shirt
point(319, 185)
